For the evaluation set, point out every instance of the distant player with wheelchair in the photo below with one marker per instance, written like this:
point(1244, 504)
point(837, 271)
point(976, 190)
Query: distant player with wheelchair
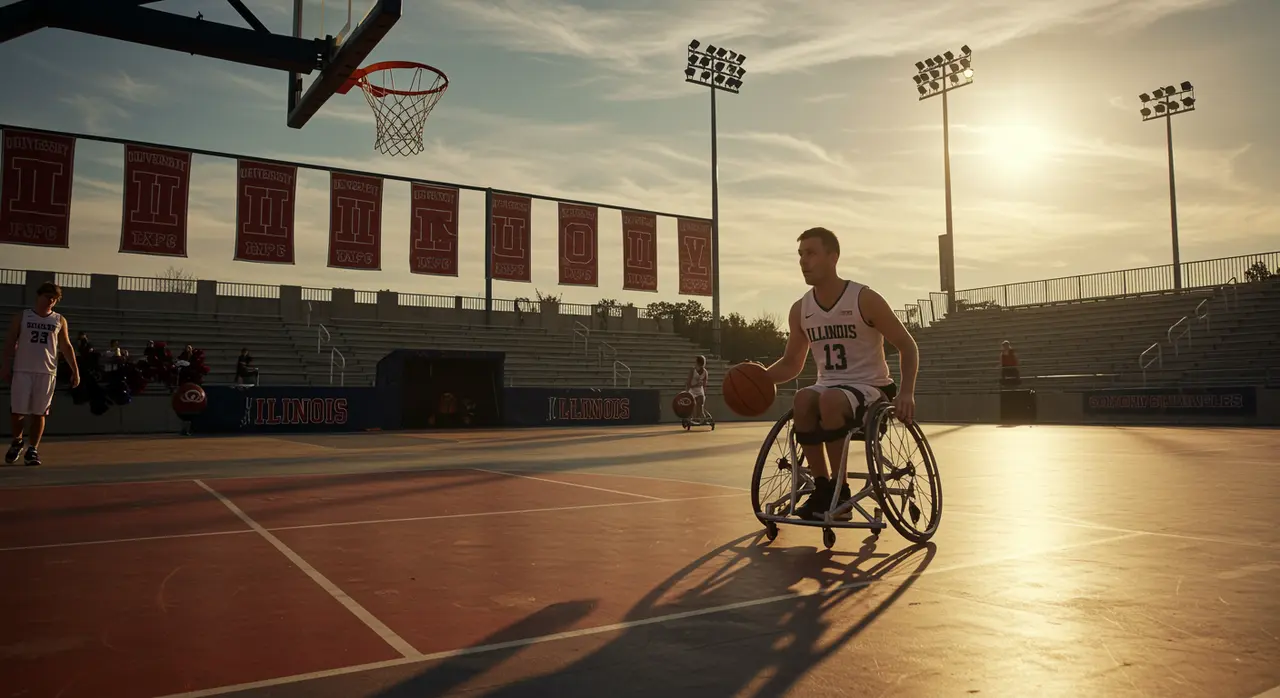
point(843, 324)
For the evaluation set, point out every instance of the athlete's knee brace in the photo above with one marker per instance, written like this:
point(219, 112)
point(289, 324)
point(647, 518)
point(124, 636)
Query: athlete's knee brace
point(821, 436)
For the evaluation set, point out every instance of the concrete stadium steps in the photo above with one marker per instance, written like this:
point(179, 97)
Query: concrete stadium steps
point(220, 336)
point(535, 356)
point(1060, 346)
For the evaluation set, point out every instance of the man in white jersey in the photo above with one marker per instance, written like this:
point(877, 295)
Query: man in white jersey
point(844, 325)
point(36, 337)
point(696, 384)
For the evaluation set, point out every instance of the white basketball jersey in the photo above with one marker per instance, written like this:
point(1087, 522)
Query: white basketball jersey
point(847, 350)
point(38, 343)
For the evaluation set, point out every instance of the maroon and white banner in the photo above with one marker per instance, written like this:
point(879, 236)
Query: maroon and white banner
point(355, 222)
point(35, 189)
point(694, 239)
point(579, 241)
point(512, 219)
point(157, 182)
point(433, 230)
point(639, 251)
point(265, 200)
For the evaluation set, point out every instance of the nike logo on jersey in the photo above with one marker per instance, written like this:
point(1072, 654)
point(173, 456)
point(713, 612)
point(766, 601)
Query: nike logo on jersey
point(818, 334)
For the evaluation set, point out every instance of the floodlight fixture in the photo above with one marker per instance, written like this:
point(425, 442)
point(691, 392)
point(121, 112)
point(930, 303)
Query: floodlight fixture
point(722, 71)
point(945, 72)
point(1164, 103)
point(937, 76)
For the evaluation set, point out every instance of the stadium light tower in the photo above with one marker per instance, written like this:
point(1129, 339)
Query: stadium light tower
point(935, 76)
point(718, 68)
point(1164, 103)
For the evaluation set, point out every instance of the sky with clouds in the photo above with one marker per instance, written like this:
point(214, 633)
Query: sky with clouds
point(1053, 171)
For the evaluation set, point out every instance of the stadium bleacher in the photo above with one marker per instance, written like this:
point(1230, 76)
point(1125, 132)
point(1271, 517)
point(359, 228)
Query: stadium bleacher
point(1206, 335)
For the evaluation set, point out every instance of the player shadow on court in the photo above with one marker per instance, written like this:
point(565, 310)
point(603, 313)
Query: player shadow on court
point(764, 643)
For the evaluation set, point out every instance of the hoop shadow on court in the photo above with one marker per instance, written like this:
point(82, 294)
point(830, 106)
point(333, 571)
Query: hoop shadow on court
point(766, 642)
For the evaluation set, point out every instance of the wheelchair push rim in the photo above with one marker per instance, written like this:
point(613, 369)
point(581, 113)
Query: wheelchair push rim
point(904, 474)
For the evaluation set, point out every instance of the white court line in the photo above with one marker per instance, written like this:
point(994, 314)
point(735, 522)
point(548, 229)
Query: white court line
point(333, 524)
point(391, 638)
point(1100, 527)
point(635, 477)
point(615, 627)
point(142, 539)
point(1273, 693)
point(561, 482)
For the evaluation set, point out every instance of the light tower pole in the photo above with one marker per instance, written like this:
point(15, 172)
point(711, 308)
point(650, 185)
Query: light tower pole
point(717, 68)
point(935, 76)
point(1163, 103)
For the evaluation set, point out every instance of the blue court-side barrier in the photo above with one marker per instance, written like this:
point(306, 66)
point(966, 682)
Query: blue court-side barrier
point(289, 409)
point(542, 407)
point(1171, 402)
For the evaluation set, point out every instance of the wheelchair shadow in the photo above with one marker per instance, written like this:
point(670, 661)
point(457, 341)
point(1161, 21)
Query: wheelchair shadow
point(763, 647)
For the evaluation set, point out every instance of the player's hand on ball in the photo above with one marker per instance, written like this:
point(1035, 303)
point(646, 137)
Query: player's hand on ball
point(904, 406)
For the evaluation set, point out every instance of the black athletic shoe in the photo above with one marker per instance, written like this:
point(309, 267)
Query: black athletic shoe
point(33, 458)
point(15, 450)
point(818, 500)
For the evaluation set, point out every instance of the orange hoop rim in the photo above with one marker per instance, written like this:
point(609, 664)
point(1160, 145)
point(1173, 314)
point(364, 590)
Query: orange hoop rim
point(358, 77)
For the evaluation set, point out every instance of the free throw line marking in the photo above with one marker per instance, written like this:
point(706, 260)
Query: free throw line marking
point(615, 627)
point(396, 642)
point(407, 519)
point(567, 484)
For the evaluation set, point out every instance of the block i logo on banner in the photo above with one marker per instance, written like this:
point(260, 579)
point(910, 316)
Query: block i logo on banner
point(579, 237)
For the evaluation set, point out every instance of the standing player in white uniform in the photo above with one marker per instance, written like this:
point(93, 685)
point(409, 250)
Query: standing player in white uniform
point(844, 325)
point(696, 384)
point(31, 349)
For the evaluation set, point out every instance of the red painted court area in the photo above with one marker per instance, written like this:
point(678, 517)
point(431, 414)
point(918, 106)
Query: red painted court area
point(161, 588)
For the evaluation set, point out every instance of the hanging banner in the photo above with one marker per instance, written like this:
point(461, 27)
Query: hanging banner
point(35, 189)
point(355, 222)
point(157, 184)
point(693, 236)
point(433, 230)
point(639, 251)
point(579, 237)
point(265, 196)
point(512, 219)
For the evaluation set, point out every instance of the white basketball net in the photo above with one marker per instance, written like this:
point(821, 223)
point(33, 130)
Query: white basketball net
point(401, 117)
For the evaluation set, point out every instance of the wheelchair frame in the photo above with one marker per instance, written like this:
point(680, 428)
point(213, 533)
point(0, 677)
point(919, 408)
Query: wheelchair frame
point(689, 422)
point(782, 511)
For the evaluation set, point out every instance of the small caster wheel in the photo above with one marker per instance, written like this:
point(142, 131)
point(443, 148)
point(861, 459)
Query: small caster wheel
point(771, 531)
point(828, 538)
point(873, 532)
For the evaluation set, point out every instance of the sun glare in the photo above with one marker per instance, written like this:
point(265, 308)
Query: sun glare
point(1019, 148)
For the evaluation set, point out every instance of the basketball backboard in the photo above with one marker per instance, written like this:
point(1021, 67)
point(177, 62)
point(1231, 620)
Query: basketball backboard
point(328, 41)
point(351, 29)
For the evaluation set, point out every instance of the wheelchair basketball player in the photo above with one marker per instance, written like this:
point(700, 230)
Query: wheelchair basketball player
point(843, 324)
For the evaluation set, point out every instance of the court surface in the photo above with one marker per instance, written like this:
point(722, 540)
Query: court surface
point(1071, 561)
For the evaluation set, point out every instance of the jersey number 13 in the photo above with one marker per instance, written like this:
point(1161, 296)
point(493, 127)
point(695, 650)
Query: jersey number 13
point(841, 362)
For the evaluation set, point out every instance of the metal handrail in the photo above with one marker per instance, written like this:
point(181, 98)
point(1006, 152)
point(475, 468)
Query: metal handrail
point(581, 330)
point(342, 373)
point(1144, 365)
point(1231, 289)
point(625, 367)
point(327, 337)
point(308, 313)
point(601, 352)
point(1202, 313)
point(1186, 332)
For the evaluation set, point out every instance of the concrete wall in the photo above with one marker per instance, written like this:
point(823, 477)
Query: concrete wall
point(151, 414)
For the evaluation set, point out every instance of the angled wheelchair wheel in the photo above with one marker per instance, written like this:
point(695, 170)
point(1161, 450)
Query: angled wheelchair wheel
point(903, 473)
point(771, 479)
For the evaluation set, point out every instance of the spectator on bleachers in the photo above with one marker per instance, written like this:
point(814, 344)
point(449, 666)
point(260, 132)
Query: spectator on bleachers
point(1009, 374)
point(191, 366)
point(116, 357)
point(243, 370)
point(83, 345)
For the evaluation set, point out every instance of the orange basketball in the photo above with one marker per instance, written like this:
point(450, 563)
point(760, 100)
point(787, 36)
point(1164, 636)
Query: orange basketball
point(748, 391)
point(683, 405)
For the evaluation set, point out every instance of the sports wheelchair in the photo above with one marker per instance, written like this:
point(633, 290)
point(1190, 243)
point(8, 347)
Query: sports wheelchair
point(895, 477)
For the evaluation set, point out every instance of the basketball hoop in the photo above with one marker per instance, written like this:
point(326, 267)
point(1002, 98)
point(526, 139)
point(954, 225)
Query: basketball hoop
point(401, 112)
